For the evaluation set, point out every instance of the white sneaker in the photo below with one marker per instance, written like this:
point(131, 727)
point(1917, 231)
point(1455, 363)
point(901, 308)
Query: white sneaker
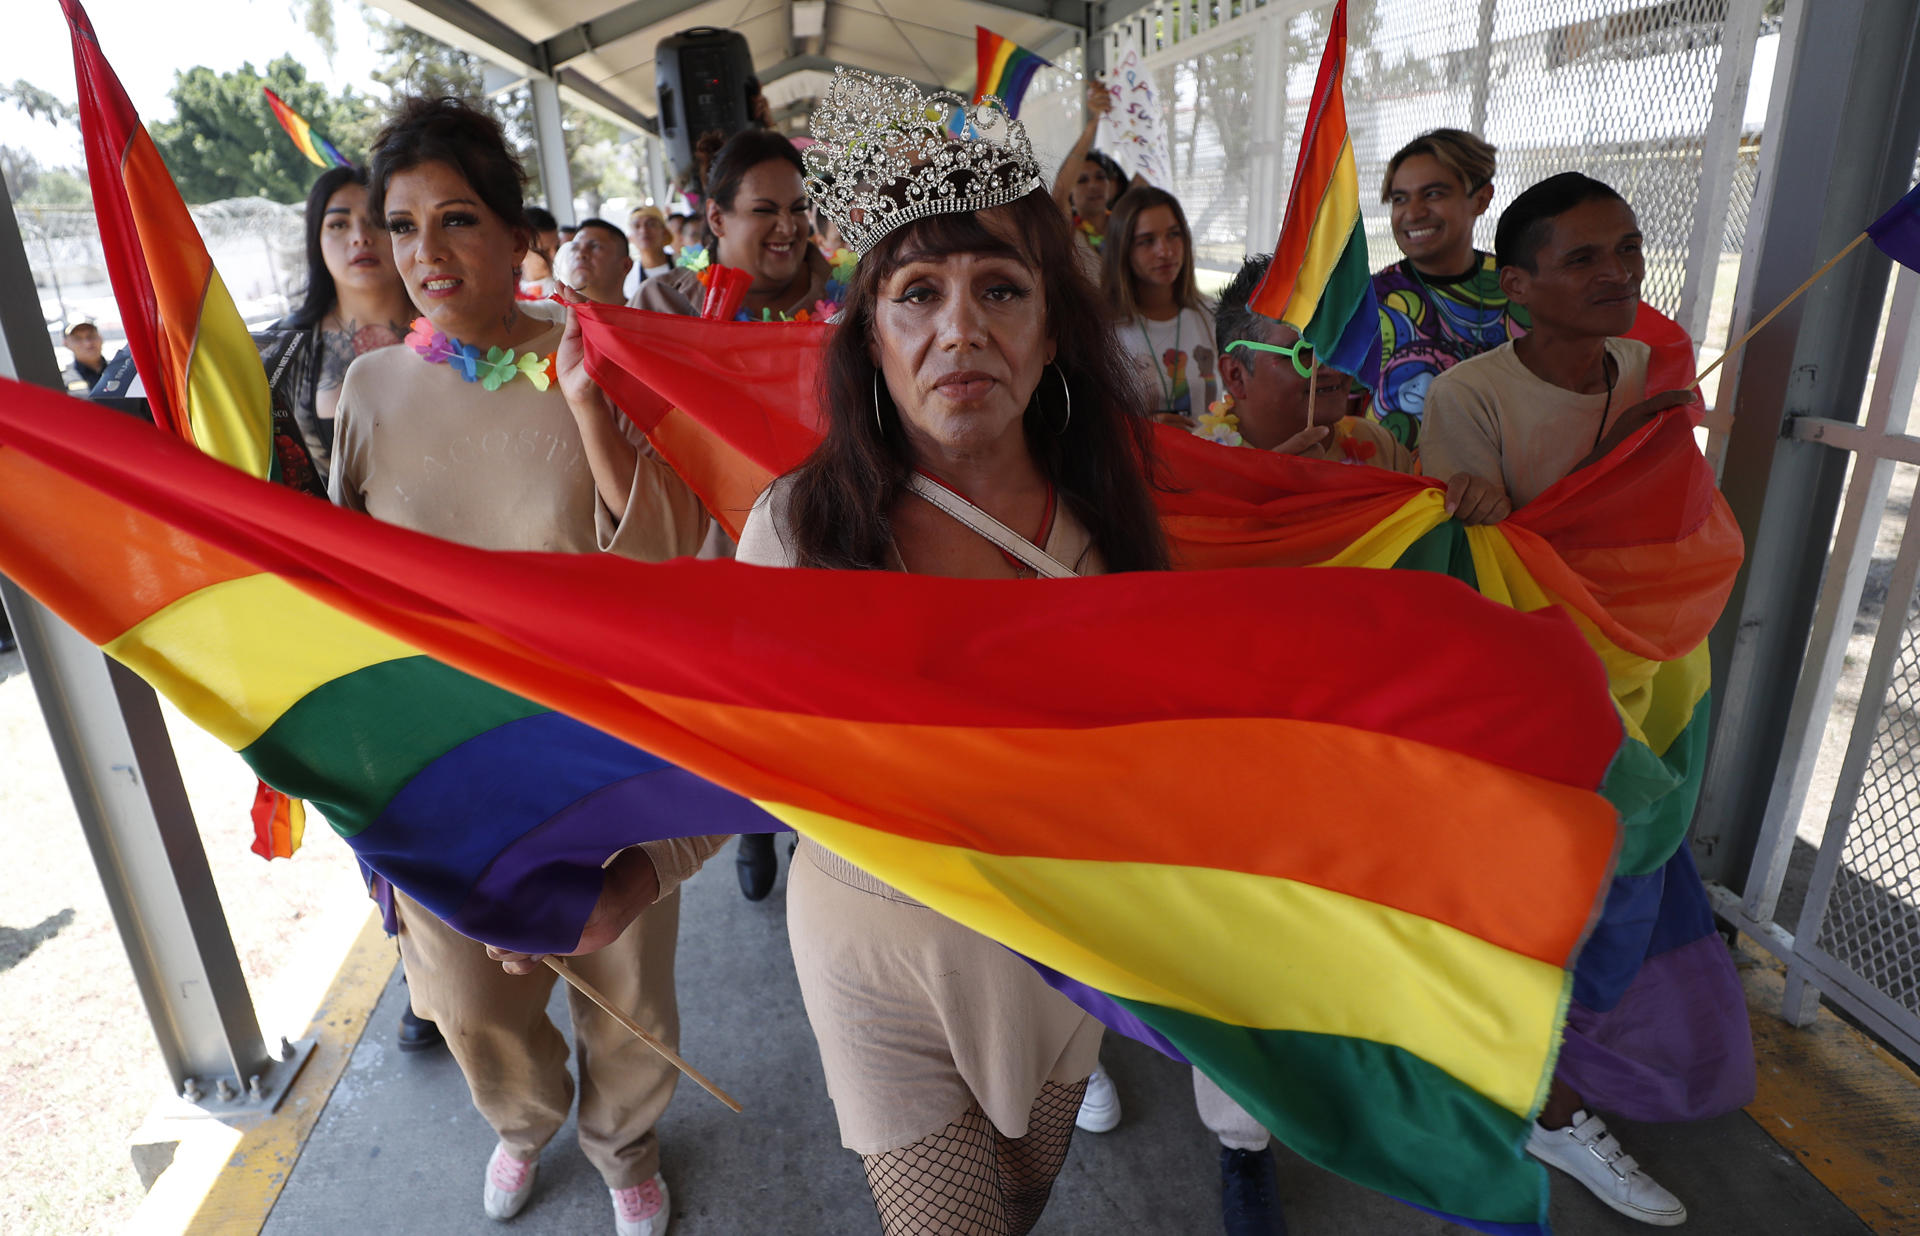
point(1585, 1151)
point(509, 1184)
point(642, 1210)
point(1100, 1108)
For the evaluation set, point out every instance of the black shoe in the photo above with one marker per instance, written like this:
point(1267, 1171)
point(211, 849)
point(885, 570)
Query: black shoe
point(1250, 1193)
point(756, 864)
point(417, 1033)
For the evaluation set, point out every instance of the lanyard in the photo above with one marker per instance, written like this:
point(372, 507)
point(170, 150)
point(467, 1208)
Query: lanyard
point(1159, 368)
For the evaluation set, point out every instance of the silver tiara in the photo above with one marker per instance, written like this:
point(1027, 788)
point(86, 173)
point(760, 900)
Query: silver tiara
point(884, 155)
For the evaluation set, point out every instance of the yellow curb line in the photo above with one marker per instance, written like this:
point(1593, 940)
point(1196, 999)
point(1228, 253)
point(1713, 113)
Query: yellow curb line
point(1848, 1110)
point(224, 1180)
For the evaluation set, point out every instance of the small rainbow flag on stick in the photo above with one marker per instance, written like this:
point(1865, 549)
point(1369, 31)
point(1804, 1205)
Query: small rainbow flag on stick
point(1319, 282)
point(1006, 69)
point(319, 151)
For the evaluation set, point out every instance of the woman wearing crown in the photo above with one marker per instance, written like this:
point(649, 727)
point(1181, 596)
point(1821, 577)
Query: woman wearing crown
point(981, 424)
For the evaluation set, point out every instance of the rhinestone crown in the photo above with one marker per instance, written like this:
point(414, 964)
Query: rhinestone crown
point(883, 156)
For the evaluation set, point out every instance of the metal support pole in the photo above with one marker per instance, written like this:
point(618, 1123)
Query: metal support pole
point(1853, 58)
point(113, 747)
point(1266, 177)
point(550, 148)
point(1846, 579)
point(657, 171)
point(1719, 159)
point(1483, 69)
point(1096, 44)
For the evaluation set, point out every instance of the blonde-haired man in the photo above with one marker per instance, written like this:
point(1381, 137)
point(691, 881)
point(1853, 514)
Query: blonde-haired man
point(1441, 303)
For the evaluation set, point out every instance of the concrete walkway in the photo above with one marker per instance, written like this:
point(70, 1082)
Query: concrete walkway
point(400, 1149)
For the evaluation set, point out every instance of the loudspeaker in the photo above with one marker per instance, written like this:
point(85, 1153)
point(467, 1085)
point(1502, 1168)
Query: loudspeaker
point(700, 76)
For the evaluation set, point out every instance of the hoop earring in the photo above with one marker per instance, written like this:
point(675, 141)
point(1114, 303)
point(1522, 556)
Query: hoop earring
point(876, 404)
point(1068, 392)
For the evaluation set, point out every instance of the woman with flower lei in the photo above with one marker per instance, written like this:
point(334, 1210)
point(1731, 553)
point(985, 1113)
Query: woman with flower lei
point(486, 429)
point(758, 222)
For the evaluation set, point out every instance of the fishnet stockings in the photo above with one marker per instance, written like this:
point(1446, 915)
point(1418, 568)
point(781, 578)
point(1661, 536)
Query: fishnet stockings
point(968, 1180)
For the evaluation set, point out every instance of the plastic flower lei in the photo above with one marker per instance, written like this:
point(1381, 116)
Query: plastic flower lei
point(1219, 424)
point(492, 369)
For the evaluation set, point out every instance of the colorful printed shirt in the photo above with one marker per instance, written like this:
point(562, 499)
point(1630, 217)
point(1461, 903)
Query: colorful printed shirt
point(1429, 325)
point(1176, 359)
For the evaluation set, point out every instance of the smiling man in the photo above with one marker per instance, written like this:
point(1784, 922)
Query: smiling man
point(1565, 394)
point(1523, 416)
point(1442, 302)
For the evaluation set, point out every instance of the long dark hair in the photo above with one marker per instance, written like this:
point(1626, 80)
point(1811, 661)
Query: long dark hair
point(741, 153)
point(1116, 253)
point(318, 299)
point(1101, 464)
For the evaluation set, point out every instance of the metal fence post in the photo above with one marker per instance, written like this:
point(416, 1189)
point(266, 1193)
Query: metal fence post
point(550, 148)
point(113, 746)
point(1719, 157)
point(1833, 174)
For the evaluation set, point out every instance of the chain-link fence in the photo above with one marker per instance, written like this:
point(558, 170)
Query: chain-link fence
point(1872, 919)
point(258, 247)
point(1624, 90)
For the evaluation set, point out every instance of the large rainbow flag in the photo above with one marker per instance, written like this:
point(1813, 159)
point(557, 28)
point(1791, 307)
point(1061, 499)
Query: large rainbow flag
point(319, 151)
point(1639, 550)
point(1320, 282)
point(1369, 942)
point(198, 364)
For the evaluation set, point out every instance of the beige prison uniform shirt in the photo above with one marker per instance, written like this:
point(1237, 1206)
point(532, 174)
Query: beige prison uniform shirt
point(1491, 416)
point(416, 444)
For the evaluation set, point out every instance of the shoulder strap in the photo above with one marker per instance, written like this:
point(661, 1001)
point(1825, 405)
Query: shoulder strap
point(992, 529)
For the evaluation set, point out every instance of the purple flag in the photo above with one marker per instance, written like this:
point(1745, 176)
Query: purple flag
point(1898, 231)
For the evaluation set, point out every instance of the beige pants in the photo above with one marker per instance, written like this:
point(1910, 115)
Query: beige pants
point(1230, 1122)
point(515, 1060)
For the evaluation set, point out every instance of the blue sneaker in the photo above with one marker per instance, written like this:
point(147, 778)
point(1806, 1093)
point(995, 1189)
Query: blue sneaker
point(1250, 1193)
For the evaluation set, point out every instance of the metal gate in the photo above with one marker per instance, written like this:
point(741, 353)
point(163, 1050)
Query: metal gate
point(1651, 97)
point(1856, 937)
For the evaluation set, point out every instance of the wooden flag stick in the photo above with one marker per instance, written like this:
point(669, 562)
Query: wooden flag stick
point(581, 985)
point(1313, 389)
point(1812, 279)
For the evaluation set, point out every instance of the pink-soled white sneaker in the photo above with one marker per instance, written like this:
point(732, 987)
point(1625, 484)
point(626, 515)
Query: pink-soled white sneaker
point(509, 1184)
point(643, 1209)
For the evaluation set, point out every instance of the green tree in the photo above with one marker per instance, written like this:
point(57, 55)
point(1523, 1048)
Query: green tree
point(600, 163)
point(223, 140)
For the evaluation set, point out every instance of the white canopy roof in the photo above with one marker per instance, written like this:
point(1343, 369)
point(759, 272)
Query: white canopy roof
point(601, 51)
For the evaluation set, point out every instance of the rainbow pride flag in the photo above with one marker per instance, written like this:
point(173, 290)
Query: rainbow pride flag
point(954, 742)
point(1005, 69)
point(199, 365)
point(1639, 551)
point(197, 361)
point(1320, 282)
point(319, 151)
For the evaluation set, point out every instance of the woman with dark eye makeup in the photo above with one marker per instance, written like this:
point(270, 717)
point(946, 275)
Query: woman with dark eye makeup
point(758, 220)
point(354, 303)
point(485, 429)
point(982, 423)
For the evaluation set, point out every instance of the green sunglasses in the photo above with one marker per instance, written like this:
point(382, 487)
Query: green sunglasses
point(1302, 367)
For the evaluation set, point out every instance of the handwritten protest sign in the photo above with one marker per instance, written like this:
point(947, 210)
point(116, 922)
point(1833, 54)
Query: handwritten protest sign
point(1135, 131)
